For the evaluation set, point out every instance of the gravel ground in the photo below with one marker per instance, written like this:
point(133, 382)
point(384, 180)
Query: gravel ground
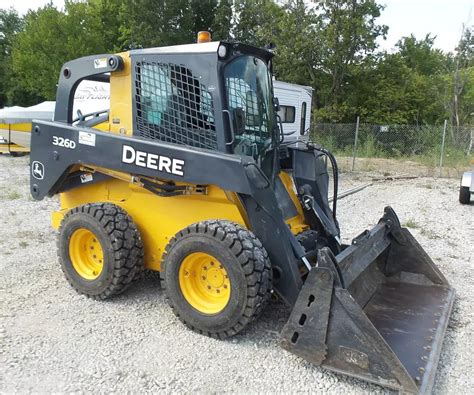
point(54, 340)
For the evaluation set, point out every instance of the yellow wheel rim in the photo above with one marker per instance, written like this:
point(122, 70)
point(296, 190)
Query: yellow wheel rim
point(86, 254)
point(204, 283)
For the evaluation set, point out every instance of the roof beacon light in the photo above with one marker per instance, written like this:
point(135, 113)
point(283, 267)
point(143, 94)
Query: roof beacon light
point(204, 37)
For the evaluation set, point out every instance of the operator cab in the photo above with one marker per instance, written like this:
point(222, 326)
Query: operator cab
point(215, 95)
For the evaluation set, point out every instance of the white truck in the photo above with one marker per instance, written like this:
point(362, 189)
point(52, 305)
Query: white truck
point(295, 109)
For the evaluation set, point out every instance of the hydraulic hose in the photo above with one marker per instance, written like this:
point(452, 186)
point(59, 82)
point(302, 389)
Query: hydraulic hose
point(335, 174)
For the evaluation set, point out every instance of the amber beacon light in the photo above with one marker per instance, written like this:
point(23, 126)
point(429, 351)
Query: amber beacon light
point(204, 37)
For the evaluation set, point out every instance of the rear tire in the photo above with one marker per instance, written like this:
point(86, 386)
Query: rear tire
point(464, 195)
point(217, 277)
point(100, 250)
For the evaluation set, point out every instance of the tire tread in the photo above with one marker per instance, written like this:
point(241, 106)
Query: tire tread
point(126, 243)
point(253, 259)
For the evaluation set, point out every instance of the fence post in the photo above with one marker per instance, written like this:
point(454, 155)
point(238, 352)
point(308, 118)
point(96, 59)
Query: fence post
point(442, 146)
point(355, 144)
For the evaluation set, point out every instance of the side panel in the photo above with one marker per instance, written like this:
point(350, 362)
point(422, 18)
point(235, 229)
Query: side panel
point(158, 218)
point(120, 117)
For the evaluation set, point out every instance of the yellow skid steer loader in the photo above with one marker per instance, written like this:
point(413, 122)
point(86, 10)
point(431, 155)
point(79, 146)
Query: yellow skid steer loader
point(188, 174)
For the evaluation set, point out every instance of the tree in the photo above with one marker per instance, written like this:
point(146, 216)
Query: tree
point(348, 34)
point(421, 56)
point(10, 25)
point(297, 46)
point(256, 21)
point(222, 24)
point(152, 23)
point(463, 75)
point(51, 37)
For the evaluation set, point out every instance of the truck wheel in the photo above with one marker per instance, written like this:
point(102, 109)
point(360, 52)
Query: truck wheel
point(464, 195)
point(100, 249)
point(217, 277)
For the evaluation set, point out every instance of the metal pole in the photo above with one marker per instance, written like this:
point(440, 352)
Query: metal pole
point(350, 192)
point(355, 144)
point(442, 146)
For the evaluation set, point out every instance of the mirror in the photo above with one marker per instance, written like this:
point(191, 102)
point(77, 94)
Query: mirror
point(251, 109)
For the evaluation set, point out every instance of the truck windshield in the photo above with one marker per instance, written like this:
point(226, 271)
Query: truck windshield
point(250, 103)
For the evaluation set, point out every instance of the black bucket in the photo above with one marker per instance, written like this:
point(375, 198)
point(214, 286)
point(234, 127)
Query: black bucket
point(377, 311)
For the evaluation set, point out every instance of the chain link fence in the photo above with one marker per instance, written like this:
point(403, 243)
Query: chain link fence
point(413, 150)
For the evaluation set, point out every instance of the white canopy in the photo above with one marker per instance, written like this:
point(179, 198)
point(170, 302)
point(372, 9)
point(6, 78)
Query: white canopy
point(16, 114)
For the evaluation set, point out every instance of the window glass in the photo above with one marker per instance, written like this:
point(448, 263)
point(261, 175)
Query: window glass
point(250, 104)
point(303, 118)
point(174, 106)
point(287, 114)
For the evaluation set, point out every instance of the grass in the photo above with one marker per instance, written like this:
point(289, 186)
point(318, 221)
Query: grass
point(23, 244)
point(13, 195)
point(369, 147)
point(411, 223)
point(430, 234)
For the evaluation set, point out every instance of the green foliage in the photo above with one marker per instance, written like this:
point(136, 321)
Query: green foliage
point(10, 25)
point(152, 23)
point(51, 37)
point(330, 45)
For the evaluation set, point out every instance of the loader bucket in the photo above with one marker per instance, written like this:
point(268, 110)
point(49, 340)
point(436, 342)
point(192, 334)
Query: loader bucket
point(377, 311)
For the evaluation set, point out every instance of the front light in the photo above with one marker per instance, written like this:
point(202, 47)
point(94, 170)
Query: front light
point(222, 51)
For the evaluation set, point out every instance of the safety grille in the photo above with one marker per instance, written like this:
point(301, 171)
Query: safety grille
point(173, 106)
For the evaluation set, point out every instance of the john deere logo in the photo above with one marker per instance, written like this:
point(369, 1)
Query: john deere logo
point(37, 170)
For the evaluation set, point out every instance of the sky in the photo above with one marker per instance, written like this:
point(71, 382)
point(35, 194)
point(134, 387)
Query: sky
point(442, 18)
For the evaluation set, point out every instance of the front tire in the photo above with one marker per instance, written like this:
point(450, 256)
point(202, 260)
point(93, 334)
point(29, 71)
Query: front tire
point(100, 250)
point(217, 277)
point(464, 195)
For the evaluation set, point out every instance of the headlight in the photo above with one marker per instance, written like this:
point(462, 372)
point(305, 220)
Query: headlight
point(222, 51)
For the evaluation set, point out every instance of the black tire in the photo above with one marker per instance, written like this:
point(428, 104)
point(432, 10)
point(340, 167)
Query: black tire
point(464, 195)
point(248, 267)
point(121, 245)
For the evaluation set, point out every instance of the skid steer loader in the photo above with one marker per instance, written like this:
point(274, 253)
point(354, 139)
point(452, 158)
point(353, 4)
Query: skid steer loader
point(188, 174)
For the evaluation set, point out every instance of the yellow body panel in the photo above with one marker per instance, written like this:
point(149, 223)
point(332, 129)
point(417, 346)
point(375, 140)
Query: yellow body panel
point(120, 116)
point(157, 218)
point(297, 223)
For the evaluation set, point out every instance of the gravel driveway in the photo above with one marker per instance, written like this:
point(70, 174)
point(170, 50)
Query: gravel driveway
point(54, 340)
